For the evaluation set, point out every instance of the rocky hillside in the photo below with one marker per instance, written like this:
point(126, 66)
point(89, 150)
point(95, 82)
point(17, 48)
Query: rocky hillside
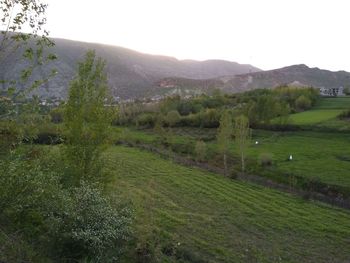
point(296, 75)
point(131, 74)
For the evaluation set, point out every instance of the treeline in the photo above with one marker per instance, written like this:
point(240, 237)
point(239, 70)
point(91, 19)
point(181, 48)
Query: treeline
point(261, 106)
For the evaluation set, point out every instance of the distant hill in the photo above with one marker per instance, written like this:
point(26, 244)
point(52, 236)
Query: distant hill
point(296, 75)
point(131, 74)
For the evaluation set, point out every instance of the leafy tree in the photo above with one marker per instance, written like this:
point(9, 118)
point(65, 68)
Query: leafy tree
point(302, 103)
point(242, 137)
point(87, 120)
point(224, 136)
point(18, 16)
point(172, 118)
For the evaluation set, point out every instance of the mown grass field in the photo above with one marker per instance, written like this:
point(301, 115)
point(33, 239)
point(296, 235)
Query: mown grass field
point(314, 116)
point(326, 109)
point(203, 217)
point(333, 103)
point(322, 156)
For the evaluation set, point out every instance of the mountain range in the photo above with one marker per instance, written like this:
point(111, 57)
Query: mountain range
point(133, 74)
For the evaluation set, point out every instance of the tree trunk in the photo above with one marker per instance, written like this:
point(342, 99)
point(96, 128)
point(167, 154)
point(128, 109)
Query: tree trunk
point(225, 164)
point(243, 165)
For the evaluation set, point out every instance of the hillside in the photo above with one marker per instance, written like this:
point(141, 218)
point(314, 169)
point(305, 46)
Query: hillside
point(131, 74)
point(296, 75)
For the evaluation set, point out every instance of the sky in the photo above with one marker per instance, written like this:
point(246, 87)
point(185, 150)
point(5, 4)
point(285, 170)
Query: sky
point(265, 33)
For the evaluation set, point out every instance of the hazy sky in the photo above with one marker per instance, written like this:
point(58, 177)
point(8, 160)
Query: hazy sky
point(265, 33)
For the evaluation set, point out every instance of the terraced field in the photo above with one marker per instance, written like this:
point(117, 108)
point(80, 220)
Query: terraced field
point(201, 217)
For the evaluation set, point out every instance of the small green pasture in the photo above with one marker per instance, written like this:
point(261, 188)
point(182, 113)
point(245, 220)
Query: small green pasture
point(333, 103)
point(311, 117)
point(326, 109)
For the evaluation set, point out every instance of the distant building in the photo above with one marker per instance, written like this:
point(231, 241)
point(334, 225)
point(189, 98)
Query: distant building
point(334, 92)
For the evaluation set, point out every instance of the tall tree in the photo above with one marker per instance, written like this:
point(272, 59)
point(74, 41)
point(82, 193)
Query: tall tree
point(242, 134)
point(224, 136)
point(87, 119)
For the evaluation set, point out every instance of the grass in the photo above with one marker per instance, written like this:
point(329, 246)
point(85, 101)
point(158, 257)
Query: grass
point(321, 156)
point(314, 116)
point(325, 156)
point(204, 217)
point(326, 109)
point(333, 103)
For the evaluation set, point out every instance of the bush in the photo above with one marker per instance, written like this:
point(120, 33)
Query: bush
point(344, 115)
point(172, 118)
point(265, 159)
point(89, 227)
point(303, 103)
point(74, 223)
point(146, 120)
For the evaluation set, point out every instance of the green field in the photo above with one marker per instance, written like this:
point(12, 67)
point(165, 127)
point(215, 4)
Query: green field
point(325, 156)
point(203, 217)
point(314, 116)
point(333, 103)
point(321, 156)
point(325, 109)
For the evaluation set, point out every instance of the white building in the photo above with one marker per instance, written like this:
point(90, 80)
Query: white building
point(334, 92)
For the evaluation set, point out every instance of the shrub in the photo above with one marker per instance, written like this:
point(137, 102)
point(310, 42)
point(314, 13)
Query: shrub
point(146, 119)
point(172, 118)
point(344, 115)
point(74, 223)
point(89, 227)
point(265, 159)
point(303, 103)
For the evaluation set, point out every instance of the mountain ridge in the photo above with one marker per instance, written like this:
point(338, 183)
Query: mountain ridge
point(131, 73)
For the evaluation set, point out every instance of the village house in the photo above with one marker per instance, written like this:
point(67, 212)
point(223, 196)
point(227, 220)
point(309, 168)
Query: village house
point(334, 92)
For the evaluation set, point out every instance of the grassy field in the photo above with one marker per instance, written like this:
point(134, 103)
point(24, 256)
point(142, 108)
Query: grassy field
point(202, 217)
point(321, 156)
point(314, 116)
point(326, 109)
point(325, 156)
point(333, 103)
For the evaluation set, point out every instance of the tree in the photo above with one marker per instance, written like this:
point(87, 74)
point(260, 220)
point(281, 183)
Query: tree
point(242, 137)
point(200, 150)
point(224, 136)
point(172, 118)
point(17, 17)
point(302, 103)
point(87, 120)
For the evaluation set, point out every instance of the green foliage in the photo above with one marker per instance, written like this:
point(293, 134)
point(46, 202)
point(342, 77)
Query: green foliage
point(224, 136)
point(56, 115)
point(242, 135)
point(15, 16)
point(345, 114)
point(172, 118)
point(145, 120)
point(87, 121)
point(302, 103)
point(73, 223)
